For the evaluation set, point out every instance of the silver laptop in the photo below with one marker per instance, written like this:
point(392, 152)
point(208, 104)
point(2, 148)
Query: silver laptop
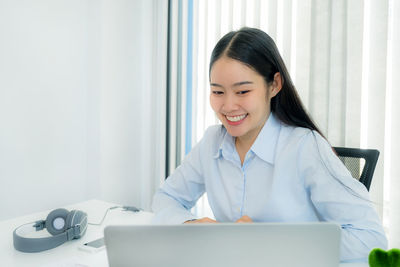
point(219, 245)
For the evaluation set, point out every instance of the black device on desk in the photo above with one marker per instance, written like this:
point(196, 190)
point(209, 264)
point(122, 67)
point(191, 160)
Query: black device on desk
point(98, 244)
point(94, 246)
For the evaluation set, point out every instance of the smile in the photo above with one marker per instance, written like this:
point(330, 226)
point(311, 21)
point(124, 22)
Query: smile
point(235, 120)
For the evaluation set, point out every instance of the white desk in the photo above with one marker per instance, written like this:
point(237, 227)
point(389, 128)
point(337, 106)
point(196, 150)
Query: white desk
point(68, 254)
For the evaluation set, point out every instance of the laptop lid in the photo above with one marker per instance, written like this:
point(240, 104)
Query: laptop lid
point(217, 245)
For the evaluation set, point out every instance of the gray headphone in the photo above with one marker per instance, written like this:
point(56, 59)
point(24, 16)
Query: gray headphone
point(62, 224)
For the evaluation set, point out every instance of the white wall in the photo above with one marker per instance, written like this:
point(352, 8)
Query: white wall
point(43, 80)
point(77, 81)
point(133, 51)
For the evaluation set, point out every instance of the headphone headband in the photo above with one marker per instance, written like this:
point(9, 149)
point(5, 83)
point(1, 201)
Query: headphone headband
point(27, 244)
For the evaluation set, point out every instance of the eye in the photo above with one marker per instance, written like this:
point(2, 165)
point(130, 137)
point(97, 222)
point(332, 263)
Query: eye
point(217, 92)
point(243, 92)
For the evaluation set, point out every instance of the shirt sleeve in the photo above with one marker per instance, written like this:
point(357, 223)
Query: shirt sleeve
point(338, 197)
point(181, 190)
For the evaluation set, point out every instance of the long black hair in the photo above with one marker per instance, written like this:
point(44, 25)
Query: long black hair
point(257, 50)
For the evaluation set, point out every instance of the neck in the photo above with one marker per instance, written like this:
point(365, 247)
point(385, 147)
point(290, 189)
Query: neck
point(244, 144)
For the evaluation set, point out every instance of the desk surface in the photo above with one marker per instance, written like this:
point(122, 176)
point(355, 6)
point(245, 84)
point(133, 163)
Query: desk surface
point(68, 254)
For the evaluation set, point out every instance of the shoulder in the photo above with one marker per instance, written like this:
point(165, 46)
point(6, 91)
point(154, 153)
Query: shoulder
point(297, 137)
point(316, 160)
point(305, 146)
point(212, 138)
point(316, 155)
point(205, 148)
point(308, 143)
point(214, 133)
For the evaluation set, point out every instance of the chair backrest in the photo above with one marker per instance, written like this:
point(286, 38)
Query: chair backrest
point(360, 162)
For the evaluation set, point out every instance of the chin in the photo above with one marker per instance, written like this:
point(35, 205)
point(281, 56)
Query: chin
point(234, 132)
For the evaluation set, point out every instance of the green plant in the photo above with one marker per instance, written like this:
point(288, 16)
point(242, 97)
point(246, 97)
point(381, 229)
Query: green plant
point(382, 258)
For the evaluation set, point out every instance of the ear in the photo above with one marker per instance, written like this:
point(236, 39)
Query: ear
point(276, 85)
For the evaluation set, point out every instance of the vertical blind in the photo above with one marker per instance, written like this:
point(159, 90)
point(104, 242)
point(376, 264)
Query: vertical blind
point(344, 59)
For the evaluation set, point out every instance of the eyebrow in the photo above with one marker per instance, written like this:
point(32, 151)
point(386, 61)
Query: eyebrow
point(234, 85)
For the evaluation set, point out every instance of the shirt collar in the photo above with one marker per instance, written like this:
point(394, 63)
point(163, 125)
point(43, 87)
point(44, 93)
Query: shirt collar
point(227, 145)
point(264, 146)
point(266, 142)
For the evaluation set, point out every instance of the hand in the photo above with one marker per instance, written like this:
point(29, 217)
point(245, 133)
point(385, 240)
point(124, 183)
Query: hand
point(244, 219)
point(202, 220)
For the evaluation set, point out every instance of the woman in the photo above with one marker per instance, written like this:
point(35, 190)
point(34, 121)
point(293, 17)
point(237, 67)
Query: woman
point(268, 161)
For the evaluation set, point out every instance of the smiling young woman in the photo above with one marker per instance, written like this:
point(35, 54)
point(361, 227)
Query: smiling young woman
point(268, 161)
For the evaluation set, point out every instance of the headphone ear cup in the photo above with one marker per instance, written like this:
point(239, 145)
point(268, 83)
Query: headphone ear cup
point(56, 221)
point(70, 217)
point(77, 217)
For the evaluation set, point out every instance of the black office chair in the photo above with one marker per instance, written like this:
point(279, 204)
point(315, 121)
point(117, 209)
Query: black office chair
point(360, 162)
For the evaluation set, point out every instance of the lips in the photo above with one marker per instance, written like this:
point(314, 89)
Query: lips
point(236, 120)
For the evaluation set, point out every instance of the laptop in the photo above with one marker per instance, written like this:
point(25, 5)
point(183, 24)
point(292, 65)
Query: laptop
point(224, 244)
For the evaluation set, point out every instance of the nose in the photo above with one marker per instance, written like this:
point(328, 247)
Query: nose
point(230, 103)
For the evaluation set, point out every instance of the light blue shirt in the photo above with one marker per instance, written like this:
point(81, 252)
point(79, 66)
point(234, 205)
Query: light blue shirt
point(290, 174)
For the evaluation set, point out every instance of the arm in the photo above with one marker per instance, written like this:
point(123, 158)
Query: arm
point(181, 190)
point(338, 197)
point(173, 201)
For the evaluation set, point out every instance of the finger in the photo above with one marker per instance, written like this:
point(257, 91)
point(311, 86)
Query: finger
point(207, 220)
point(202, 220)
point(244, 219)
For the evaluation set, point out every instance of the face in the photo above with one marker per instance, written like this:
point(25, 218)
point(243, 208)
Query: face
point(240, 97)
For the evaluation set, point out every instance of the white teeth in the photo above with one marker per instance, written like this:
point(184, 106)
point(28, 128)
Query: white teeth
point(236, 118)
